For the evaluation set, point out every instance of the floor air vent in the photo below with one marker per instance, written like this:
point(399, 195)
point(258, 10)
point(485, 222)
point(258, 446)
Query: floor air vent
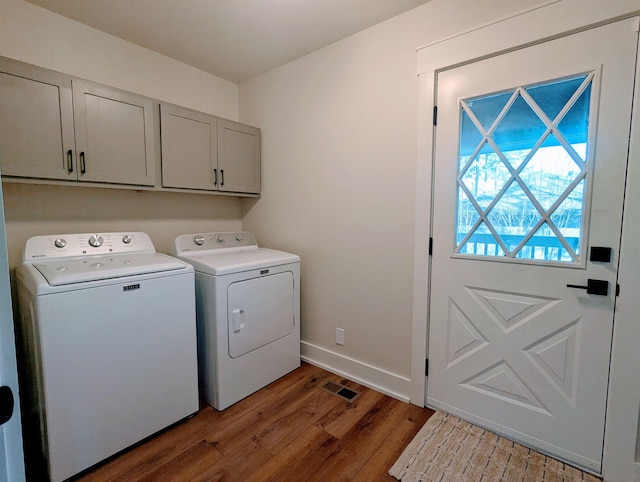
point(344, 392)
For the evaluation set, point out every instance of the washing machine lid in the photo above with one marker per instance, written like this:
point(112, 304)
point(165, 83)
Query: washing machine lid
point(219, 263)
point(80, 270)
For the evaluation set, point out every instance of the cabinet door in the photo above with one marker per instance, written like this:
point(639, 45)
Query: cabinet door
point(189, 148)
point(238, 157)
point(114, 135)
point(36, 123)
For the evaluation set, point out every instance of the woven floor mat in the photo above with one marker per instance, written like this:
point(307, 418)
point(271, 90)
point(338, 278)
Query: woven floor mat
point(447, 449)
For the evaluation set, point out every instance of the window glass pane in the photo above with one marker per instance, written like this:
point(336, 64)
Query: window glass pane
point(520, 128)
point(486, 109)
point(467, 216)
point(485, 177)
point(482, 243)
point(544, 245)
point(575, 125)
point(568, 217)
point(549, 173)
point(546, 154)
point(554, 96)
point(513, 216)
point(470, 136)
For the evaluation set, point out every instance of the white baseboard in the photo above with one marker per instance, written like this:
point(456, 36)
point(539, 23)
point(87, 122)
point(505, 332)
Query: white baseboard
point(391, 384)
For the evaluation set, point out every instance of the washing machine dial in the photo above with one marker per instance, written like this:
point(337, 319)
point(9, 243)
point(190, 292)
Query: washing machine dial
point(96, 241)
point(126, 239)
point(60, 243)
point(238, 237)
point(220, 238)
point(199, 239)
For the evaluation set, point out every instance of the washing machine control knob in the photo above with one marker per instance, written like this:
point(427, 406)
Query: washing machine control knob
point(199, 239)
point(96, 241)
point(126, 239)
point(220, 238)
point(238, 237)
point(60, 243)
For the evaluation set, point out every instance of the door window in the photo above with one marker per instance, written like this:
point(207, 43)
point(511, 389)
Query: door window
point(523, 171)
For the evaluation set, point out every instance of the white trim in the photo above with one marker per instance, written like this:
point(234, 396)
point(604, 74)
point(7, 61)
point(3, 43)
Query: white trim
point(552, 20)
point(621, 429)
point(491, 22)
point(391, 384)
point(522, 29)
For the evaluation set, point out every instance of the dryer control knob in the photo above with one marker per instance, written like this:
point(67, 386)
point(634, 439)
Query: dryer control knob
point(238, 237)
point(199, 239)
point(60, 243)
point(126, 239)
point(220, 238)
point(96, 241)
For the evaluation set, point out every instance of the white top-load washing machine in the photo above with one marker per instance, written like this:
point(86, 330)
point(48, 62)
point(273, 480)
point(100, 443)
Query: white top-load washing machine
point(248, 313)
point(108, 334)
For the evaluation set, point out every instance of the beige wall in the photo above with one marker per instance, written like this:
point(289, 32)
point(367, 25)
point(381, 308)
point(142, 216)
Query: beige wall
point(339, 163)
point(35, 35)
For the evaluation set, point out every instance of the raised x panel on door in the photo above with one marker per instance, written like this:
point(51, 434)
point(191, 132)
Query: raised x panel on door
point(530, 162)
point(36, 123)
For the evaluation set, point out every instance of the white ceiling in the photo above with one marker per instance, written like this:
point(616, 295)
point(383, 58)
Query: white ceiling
point(233, 39)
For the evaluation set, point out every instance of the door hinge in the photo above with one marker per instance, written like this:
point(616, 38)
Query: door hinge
point(426, 367)
point(430, 246)
point(435, 115)
point(617, 289)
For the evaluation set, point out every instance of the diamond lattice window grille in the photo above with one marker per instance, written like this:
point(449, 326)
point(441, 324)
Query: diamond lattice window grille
point(522, 171)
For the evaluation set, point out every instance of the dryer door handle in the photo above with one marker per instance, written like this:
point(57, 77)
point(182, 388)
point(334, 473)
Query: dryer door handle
point(237, 320)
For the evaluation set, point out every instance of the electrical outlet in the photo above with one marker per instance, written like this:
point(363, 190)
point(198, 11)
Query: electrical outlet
point(339, 336)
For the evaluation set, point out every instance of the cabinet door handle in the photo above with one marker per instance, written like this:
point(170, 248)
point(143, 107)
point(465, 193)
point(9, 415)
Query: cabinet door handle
point(69, 161)
point(83, 165)
point(215, 177)
point(222, 177)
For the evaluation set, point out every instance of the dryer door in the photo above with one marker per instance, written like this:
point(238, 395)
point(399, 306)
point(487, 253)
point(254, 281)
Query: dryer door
point(260, 311)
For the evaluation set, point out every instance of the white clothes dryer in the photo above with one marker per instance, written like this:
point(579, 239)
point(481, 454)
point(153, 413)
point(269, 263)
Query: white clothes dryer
point(108, 337)
point(247, 311)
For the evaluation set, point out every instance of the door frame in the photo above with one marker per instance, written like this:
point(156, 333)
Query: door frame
point(541, 22)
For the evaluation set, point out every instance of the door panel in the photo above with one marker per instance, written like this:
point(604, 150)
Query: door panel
point(114, 135)
point(511, 346)
point(260, 312)
point(36, 123)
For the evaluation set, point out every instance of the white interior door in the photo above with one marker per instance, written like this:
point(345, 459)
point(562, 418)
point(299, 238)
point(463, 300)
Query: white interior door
point(11, 454)
point(530, 159)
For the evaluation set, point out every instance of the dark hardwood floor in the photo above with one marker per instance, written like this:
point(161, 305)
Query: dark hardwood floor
point(292, 430)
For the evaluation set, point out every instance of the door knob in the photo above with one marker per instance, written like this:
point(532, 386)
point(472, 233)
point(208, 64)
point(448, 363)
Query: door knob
point(594, 287)
point(6, 404)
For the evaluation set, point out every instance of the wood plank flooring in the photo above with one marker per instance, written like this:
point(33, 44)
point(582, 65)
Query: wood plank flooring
point(292, 430)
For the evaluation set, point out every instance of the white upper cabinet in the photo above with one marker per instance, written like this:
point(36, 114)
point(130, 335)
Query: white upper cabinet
point(114, 135)
point(203, 152)
point(36, 123)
